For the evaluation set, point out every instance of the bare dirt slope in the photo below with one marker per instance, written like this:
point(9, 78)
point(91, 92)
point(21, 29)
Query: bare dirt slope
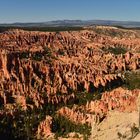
point(115, 125)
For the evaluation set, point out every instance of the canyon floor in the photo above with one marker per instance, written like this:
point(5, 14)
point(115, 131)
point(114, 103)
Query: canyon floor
point(76, 85)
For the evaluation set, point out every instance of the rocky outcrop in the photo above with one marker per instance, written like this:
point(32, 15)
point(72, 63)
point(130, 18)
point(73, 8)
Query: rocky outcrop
point(48, 70)
point(50, 66)
point(119, 99)
point(76, 116)
point(44, 129)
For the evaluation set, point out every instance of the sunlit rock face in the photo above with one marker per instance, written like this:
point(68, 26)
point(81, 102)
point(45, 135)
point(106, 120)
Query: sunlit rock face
point(119, 99)
point(44, 73)
point(38, 64)
point(44, 128)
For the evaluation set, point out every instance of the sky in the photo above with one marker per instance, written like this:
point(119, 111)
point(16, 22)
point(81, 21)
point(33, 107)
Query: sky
point(46, 10)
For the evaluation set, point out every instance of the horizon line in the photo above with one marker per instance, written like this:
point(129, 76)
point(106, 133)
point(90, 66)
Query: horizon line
point(68, 20)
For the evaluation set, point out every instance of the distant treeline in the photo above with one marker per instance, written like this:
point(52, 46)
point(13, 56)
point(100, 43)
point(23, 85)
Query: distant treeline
point(128, 28)
point(46, 29)
point(56, 29)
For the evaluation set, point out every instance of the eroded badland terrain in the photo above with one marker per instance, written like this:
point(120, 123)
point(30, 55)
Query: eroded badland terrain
point(70, 85)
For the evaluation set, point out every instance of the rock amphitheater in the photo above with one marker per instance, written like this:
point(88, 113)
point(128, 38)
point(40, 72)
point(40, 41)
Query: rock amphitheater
point(48, 71)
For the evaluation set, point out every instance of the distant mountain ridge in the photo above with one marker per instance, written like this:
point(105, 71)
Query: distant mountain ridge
point(75, 23)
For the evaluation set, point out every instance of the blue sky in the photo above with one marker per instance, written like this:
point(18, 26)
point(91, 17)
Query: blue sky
point(46, 10)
